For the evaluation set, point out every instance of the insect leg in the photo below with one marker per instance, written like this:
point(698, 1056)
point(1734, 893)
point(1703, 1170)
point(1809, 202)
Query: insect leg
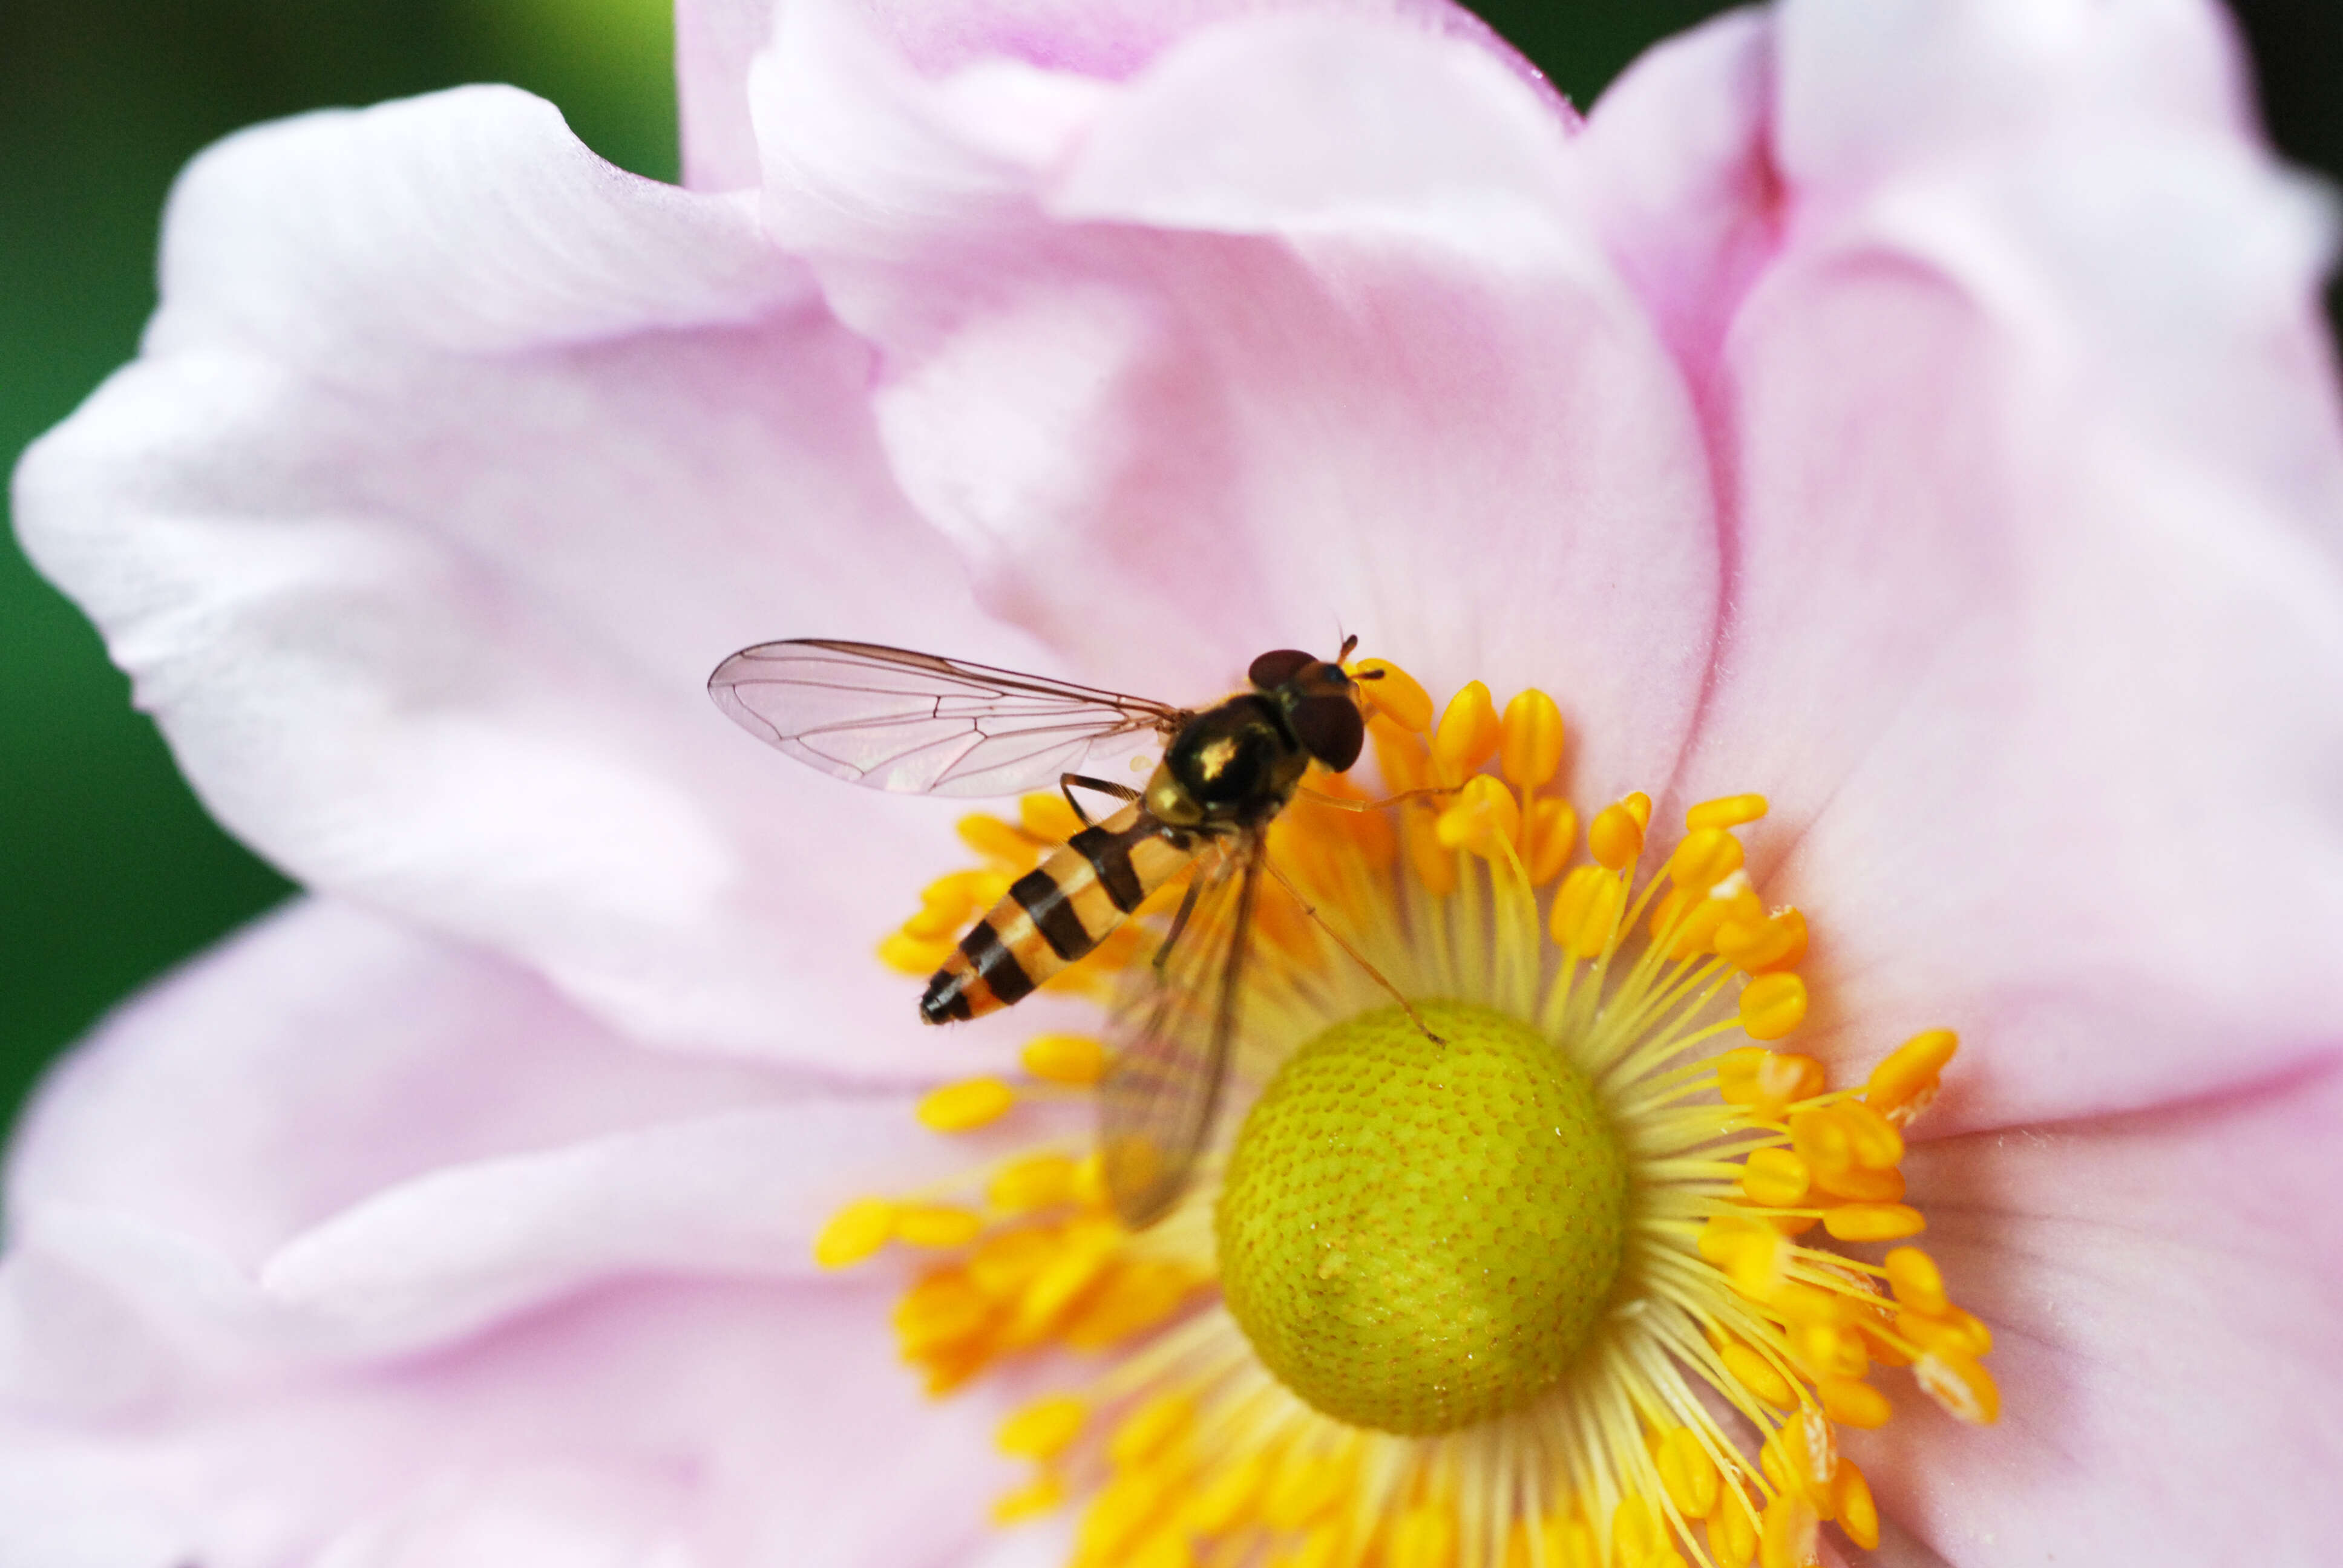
point(1341, 803)
point(1357, 957)
point(1066, 782)
point(1179, 921)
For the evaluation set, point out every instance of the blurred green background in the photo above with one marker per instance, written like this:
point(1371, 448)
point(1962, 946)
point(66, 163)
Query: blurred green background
point(109, 871)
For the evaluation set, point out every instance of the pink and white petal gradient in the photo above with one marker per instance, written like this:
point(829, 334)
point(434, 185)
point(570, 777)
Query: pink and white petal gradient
point(1915, 411)
point(346, 1234)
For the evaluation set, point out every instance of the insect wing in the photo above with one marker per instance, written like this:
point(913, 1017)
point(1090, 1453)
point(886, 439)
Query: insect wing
point(1174, 1026)
point(920, 725)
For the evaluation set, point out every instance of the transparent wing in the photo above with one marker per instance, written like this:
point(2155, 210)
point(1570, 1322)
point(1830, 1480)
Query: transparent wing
point(920, 725)
point(1172, 1035)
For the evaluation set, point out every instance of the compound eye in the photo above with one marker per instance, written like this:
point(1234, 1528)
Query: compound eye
point(1274, 668)
point(1330, 729)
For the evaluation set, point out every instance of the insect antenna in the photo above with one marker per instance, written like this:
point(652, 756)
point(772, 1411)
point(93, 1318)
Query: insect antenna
point(1356, 956)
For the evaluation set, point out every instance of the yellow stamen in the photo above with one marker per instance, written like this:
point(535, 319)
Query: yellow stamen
point(1726, 811)
point(1468, 735)
point(1396, 692)
point(1531, 753)
point(1070, 1059)
point(963, 1107)
point(1699, 1423)
point(1772, 1006)
point(1045, 1428)
point(855, 1232)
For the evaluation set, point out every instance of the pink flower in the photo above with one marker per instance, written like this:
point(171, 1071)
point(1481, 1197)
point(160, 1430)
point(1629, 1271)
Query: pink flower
point(1918, 413)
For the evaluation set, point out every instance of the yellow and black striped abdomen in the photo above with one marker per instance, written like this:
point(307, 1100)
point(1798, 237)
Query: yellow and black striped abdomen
point(1057, 912)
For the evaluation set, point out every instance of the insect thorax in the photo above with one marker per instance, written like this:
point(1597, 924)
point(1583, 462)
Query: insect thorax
point(1236, 763)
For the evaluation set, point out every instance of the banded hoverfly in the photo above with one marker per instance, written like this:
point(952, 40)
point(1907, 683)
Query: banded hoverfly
point(915, 723)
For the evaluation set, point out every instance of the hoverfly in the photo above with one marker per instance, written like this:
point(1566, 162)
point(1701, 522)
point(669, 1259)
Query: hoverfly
point(888, 719)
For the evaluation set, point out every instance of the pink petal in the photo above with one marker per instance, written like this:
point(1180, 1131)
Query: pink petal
point(335, 1139)
point(716, 40)
point(2037, 607)
point(455, 461)
point(2161, 1288)
point(1305, 325)
point(659, 1426)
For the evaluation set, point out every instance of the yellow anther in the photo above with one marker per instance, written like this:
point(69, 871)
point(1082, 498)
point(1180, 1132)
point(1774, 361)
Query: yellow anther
point(1688, 1472)
point(1758, 1375)
point(1322, 1548)
point(1579, 1548)
point(1861, 1185)
point(1400, 753)
point(1531, 753)
point(1757, 1262)
point(1783, 1078)
point(1772, 1006)
point(1228, 1497)
point(913, 955)
point(1788, 1535)
point(1049, 816)
point(1117, 1515)
point(1036, 1497)
point(1704, 859)
point(1822, 1140)
point(1857, 1514)
point(1483, 818)
point(1901, 1087)
point(1424, 1537)
point(1775, 1178)
point(1725, 811)
point(1468, 735)
point(937, 1226)
point(1034, 1181)
point(1135, 1298)
point(1956, 1382)
point(935, 923)
point(1917, 1283)
point(1586, 911)
point(1951, 1331)
point(1851, 1402)
point(1549, 833)
point(1434, 866)
point(942, 1309)
point(1826, 1350)
point(1761, 947)
point(1306, 1488)
point(1089, 1180)
point(1874, 1143)
point(1616, 837)
point(1074, 1059)
point(1695, 930)
point(854, 1233)
point(1043, 1429)
point(1154, 1428)
point(1394, 692)
point(963, 1107)
point(1733, 1531)
point(995, 839)
point(1005, 1261)
point(1083, 1253)
point(1799, 1303)
point(1874, 1221)
point(1634, 1532)
point(1164, 1549)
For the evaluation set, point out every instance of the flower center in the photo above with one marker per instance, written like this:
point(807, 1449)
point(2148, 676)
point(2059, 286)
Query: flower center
point(1416, 1235)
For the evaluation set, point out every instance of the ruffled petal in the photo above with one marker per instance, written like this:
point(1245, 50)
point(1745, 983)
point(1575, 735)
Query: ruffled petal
point(337, 1138)
point(2161, 1292)
point(2037, 541)
point(650, 1426)
point(456, 460)
point(1307, 326)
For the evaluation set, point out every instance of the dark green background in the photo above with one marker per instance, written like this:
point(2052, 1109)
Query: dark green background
point(108, 869)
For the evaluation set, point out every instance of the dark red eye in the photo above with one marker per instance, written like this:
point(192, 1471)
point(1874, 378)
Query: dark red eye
point(1274, 668)
point(1330, 729)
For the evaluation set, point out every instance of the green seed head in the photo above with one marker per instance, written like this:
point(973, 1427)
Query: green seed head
point(1418, 1236)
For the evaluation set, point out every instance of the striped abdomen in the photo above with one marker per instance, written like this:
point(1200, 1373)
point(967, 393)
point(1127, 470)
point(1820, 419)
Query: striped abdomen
point(1057, 912)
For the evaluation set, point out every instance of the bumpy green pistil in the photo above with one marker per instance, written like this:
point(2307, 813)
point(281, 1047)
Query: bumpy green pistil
point(1419, 1236)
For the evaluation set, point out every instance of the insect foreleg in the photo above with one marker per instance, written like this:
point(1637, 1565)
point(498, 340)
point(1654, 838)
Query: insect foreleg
point(1066, 782)
point(1343, 803)
point(1357, 957)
